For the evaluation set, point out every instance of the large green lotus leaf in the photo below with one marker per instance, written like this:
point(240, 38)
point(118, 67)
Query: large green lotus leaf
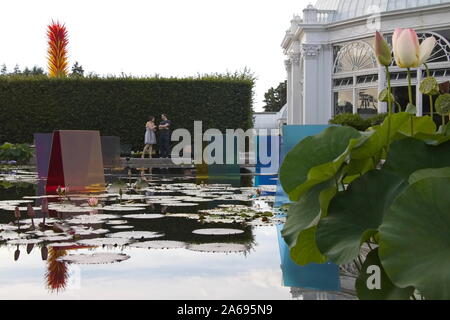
point(316, 159)
point(307, 211)
point(306, 251)
point(432, 139)
point(387, 290)
point(415, 238)
point(409, 155)
point(420, 124)
point(355, 215)
point(429, 173)
point(379, 137)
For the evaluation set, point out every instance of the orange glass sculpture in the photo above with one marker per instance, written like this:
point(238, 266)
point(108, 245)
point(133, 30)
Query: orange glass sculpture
point(58, 63)
point(76, 162)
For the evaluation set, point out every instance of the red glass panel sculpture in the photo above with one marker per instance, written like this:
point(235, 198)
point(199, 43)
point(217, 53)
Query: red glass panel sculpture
point(76, 162)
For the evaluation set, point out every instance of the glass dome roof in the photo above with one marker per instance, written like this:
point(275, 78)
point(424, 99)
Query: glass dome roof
point(349, 9)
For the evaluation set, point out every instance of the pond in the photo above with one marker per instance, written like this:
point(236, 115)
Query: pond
point(153, 236)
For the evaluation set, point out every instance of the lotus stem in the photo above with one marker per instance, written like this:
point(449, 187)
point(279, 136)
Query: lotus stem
point(410, 99)
point(388, 75)
point(430, 96)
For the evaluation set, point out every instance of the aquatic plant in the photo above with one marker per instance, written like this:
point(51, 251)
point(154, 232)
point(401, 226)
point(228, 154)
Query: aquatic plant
point(385, 189)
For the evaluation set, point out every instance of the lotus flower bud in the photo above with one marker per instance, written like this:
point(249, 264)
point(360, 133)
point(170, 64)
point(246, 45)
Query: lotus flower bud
point(406, 48)
point(30, 211)
point(44, 253)
point(16, 254)
point(17, 213)
point(44, 206)
point(407, 51)
point(382, 50)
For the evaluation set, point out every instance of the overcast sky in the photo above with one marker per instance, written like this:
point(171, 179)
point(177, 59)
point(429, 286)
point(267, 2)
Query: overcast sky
point(145, 37)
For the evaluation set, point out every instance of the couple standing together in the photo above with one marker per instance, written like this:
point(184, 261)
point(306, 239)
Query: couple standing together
point(164, 136)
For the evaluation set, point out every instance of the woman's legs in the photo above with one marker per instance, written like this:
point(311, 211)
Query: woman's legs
point(145, 150)
point(150, 150)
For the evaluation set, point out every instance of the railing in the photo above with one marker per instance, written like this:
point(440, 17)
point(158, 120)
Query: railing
point(315, 16)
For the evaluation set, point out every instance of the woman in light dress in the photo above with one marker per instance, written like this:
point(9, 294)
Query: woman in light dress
point(150, 137)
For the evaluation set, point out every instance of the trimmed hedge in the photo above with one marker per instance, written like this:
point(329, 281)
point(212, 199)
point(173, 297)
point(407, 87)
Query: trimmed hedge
point(120, 106)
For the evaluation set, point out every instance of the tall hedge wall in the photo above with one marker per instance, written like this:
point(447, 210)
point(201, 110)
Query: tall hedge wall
point(120, 107)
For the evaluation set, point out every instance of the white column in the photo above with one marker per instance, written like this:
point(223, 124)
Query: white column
point(355, 95)
point(297, 107)
point(382, 84)
point(311, 86)
point(419, 96)
point(288, 64)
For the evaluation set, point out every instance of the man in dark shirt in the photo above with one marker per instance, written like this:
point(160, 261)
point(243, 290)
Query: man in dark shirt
point(164, 136)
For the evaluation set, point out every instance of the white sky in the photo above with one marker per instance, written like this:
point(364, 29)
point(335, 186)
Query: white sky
point(145, 37)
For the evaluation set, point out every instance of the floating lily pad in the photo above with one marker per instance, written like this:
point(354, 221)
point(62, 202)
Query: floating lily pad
point(62, 244)
point(136, 235)
point(91, 219)
point(95, 258)
point(104, 242)
point(116, 222)
point(217, 212)
point(218, 247)
point(24, 241)
point(144, 216)
point(217, 232)
point(9, 235)
point(123, 208)
point(179, 204)
point(122, 227)
point(157, 244)
point(56, 238)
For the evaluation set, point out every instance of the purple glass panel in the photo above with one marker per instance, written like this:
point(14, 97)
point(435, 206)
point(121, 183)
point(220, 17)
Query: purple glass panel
point(43, 145)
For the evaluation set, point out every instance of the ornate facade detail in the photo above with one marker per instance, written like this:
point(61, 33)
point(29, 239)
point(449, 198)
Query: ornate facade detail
point(310, 50)
point(296, 58)
point(288, 64)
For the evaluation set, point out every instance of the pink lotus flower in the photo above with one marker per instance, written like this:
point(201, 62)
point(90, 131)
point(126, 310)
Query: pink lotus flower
point(93, 202)
point(407, 51)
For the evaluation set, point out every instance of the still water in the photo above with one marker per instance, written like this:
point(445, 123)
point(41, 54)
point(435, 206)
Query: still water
point(172, 259)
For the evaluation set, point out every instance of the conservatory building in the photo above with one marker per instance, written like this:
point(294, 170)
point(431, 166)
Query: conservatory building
point(330, 60)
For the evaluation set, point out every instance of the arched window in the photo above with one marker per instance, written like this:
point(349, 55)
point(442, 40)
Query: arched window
point(355, 56)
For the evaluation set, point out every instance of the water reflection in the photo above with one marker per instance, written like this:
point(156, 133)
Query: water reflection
point(235, 266)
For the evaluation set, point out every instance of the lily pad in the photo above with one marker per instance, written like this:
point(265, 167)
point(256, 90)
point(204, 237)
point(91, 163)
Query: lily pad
point(367, 290)
point(95, 258)
point(159, 244)
point(355, 215)
point(24, 241)
point(104, 242)
point(409, 155)
point(415, 239)
point(144, 216)
point(218, 232)
point(316, 159)
point(136, 235)
point(218, 247)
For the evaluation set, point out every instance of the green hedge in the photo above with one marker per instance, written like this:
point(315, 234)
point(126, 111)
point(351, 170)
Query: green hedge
point(120, 106)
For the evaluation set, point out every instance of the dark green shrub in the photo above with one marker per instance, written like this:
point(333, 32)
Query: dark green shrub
point(121, 106)
point(351, 120)
point(377, 120)
point(21, 153)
